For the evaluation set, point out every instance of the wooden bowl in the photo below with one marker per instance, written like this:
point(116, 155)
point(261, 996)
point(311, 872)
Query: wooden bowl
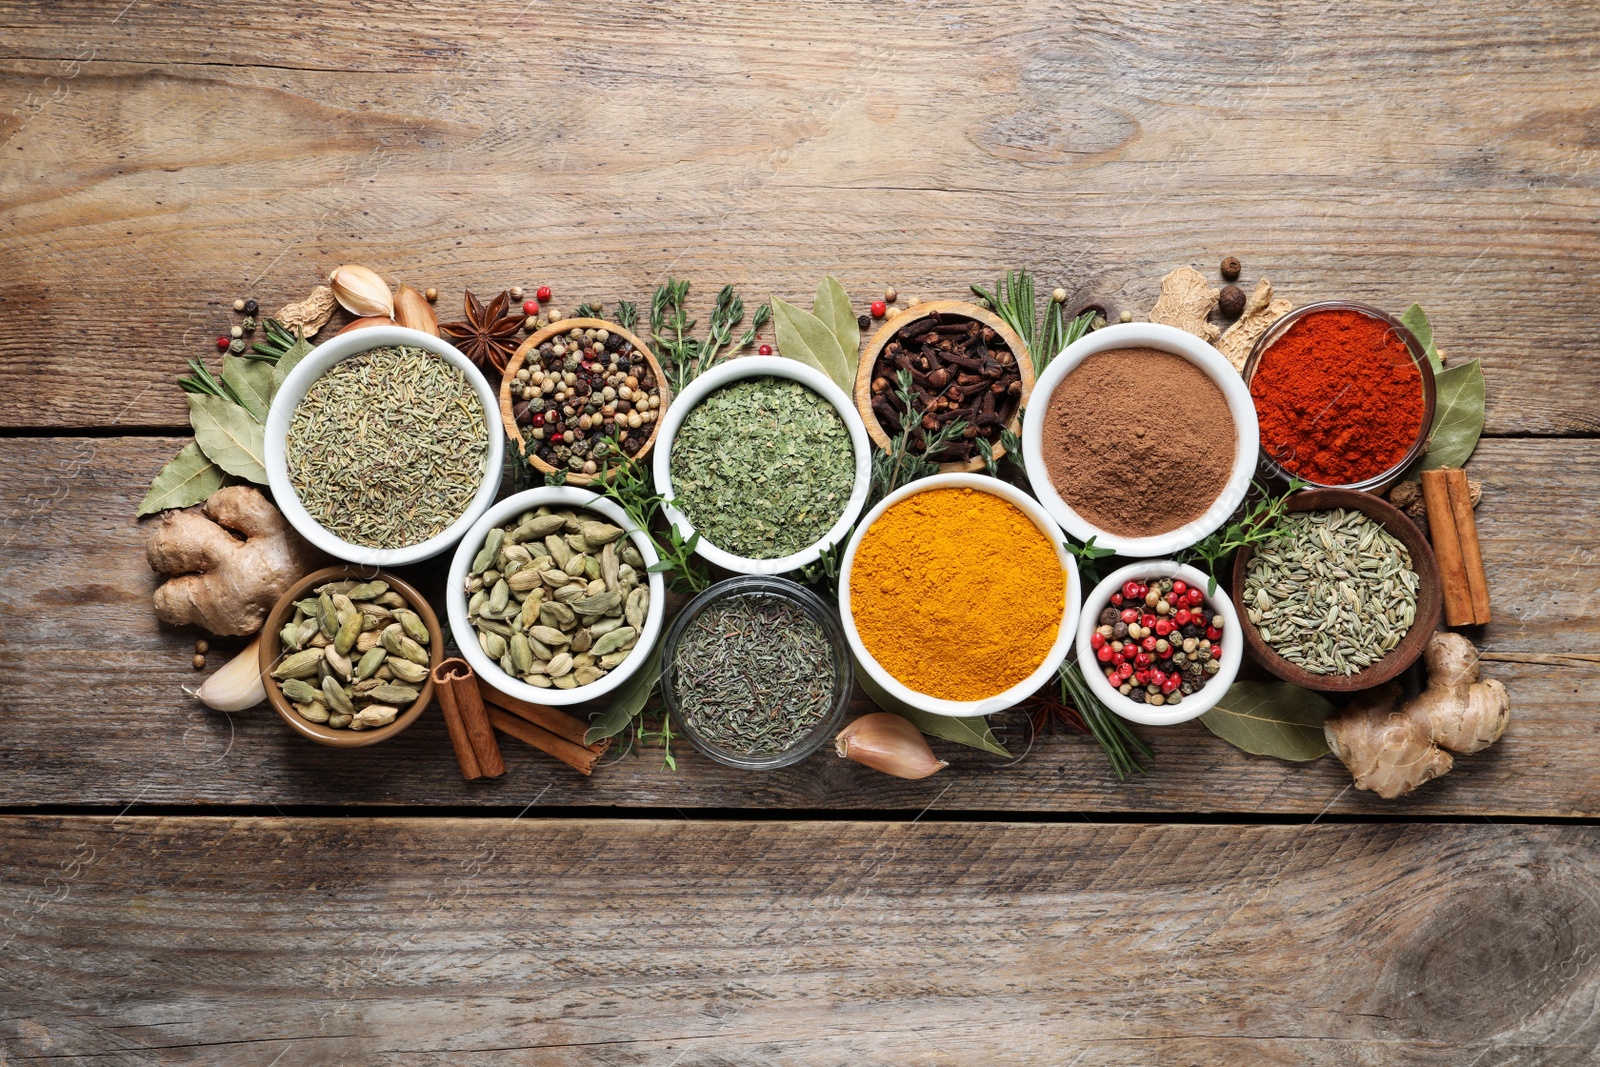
point(887, 332)
point(272, 649)
point(1430, 598)
point(514, 364)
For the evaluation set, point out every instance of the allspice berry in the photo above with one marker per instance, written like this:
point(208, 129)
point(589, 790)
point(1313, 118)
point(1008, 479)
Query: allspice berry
point(1231, 302)
point(238, 305)
point(202, 646)
point(431, 295)
point(516, 292)
point(199, 662)
point(1231, 268)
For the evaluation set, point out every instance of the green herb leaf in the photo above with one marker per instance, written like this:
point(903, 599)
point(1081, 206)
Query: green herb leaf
point(228, 436)
point(833, 308)
point(973, 732)
point(1272, 719)
point(1416, 320)
point(286, 362)
point(630, 699)
point(807, 339)
point(1457, 418)
point(188, 478)
point(251, 382)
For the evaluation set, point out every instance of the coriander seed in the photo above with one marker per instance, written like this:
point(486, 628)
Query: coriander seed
point(238, 305)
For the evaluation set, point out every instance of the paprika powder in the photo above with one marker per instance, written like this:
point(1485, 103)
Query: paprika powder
point(1338, 397)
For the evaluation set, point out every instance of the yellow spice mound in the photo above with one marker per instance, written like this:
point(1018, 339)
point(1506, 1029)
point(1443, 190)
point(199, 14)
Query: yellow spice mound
point(956, 593)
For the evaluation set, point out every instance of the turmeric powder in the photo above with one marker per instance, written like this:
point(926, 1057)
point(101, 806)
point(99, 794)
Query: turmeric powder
point(956, 593)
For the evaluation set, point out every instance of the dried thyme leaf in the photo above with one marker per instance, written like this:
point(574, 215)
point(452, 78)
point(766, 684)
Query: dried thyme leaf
point(229, 436)
point(188, 478)
point(805, 338)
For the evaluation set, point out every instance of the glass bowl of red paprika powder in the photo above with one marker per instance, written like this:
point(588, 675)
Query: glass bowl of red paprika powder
point(1344, 395)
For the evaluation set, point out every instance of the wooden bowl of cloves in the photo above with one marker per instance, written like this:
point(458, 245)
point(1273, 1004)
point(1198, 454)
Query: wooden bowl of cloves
point(965, 364)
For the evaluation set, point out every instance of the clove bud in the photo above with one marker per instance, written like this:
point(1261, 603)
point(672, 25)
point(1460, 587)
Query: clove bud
point(412, 311)
point(361, 292)
point(888, 743)
point(237, 684)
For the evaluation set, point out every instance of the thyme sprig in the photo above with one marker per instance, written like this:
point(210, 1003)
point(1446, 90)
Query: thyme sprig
point(672, 330)
point(628, 484)
point(899, 465)
point(1253, 528)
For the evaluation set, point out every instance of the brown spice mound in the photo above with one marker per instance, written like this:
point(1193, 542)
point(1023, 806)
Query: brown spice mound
point(1138, 441)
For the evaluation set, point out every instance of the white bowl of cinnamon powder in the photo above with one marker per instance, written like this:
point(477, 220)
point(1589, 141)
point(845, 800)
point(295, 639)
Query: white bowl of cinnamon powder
point(1142, 437)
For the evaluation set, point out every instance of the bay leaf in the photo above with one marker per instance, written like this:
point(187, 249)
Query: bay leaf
point(251, 382)
point(1271, 719)
point(629, 701)
point(187, 479)
point(973, 732)
point(833, 308)
point(1416, 320)
point(228, 436)
point(1457, 418)
point(286, 362)
point(807, 339)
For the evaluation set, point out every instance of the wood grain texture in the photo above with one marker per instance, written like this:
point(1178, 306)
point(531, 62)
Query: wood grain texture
point(485, 942)
point(92, 708)
point(161, 159)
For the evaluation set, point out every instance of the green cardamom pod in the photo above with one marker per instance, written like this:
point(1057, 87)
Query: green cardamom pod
point(336, 696)
point(638, 607)
point(611, 568)
point(599, 533)
point(299, 691)
point(476, 604)
point(349, 630)
point(394, 694)
point(559, 551)
point(408, 672)
point(599, 604)
point(494, 646)
point(631, 556)
point(521, 653)
point(578, 545)
point(498, 597)
point(491, 548)
point(369, 663)
point(391, 637)
point(339, 722)
point(605, 625)
point(367, 590)
point(614, 640)
point(558, 615)
point(612, 660)
point(327, 615)
point(548, 635)
point(537, 528)
point(310, 607)
point(576, 565)
point(413, 625)
point(587, 675)
point(568, 593)
point(495, 626)
point(338, 663)
point(314, 712)
point(412, 651)
point(565, 681)
point(289, 637)
point(560, 664)
point(300, 665)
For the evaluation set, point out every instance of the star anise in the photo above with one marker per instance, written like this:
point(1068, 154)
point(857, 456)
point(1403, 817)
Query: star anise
point(488, 336)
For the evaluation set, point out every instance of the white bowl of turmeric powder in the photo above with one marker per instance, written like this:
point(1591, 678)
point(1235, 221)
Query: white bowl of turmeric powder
point(958, 596)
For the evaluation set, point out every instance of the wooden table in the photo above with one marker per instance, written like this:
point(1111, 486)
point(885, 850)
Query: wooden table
point(187, 887)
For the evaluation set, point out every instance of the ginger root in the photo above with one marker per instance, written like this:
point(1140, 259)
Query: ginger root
point(223, 582)
point(1187, 301)
point(1260, 311)
point(1392, 748)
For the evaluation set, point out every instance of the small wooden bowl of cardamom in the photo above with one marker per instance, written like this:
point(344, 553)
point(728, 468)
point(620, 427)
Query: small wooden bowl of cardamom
point(354, 658)
point(592, 375)
point(949, 392)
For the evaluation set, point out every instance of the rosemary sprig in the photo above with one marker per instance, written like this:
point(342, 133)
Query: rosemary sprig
point(628, 484)
point(1253, 528)
point(1014, 299)
point(201, 380)
point(273, 347)
point(899, 465)
point(588, 310)
point(1108, 729)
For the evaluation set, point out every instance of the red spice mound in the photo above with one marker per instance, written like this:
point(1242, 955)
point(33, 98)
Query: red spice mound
point(1338, 397)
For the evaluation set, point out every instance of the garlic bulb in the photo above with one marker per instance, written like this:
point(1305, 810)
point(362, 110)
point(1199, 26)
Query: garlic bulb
point(890, 744)
point(237, 684)
point(361, 291)
point(412, 311)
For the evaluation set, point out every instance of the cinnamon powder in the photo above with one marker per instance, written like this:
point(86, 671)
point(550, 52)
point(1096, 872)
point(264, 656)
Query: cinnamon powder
point(1138, 441)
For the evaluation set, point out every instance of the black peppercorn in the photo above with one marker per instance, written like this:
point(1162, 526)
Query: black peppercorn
point(1231, 302)
point(864, 322)
point(1231, 268)
point(251, 307)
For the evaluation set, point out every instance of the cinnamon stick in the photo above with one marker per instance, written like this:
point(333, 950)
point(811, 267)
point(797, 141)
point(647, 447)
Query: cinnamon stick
point(1467, 534)
point(456, 676)
point(452, 722)
point(555, 720)
point(580, 758)
point(1447, 547)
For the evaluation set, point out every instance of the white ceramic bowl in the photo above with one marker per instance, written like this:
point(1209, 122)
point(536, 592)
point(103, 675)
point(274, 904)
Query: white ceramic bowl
point(1069, 615)
point(1192, 707)
point(764, 367)
point(455, 595)
point(293, 391)
point(1164, 339)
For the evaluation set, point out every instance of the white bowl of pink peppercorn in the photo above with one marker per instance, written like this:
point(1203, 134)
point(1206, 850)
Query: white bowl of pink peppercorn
point(1171, 611)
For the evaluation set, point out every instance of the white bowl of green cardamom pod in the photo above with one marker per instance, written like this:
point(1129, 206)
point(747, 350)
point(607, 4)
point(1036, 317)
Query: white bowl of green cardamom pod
point(551, 598)
point(383, 445)
point(764, 463)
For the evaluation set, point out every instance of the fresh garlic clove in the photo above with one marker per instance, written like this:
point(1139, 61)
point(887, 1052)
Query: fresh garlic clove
point(890, 744)
point(413, 311)
point(361, 291)
point(364, 322)
point(237, 684)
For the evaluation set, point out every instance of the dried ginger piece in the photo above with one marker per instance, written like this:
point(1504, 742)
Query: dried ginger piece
point(310, 314)
point(1187, 302)
point(1260, 311)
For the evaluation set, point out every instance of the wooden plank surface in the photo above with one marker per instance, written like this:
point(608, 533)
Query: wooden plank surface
point(161, 158)
point(92, 709)
point(482, 942)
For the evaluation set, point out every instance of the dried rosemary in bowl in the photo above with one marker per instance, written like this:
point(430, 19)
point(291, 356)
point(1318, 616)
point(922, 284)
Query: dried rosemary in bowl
point(387, 449)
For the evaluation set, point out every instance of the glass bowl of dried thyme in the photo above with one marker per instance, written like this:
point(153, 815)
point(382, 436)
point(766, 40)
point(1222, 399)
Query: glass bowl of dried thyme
point(756, 672)
point(382, 446)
